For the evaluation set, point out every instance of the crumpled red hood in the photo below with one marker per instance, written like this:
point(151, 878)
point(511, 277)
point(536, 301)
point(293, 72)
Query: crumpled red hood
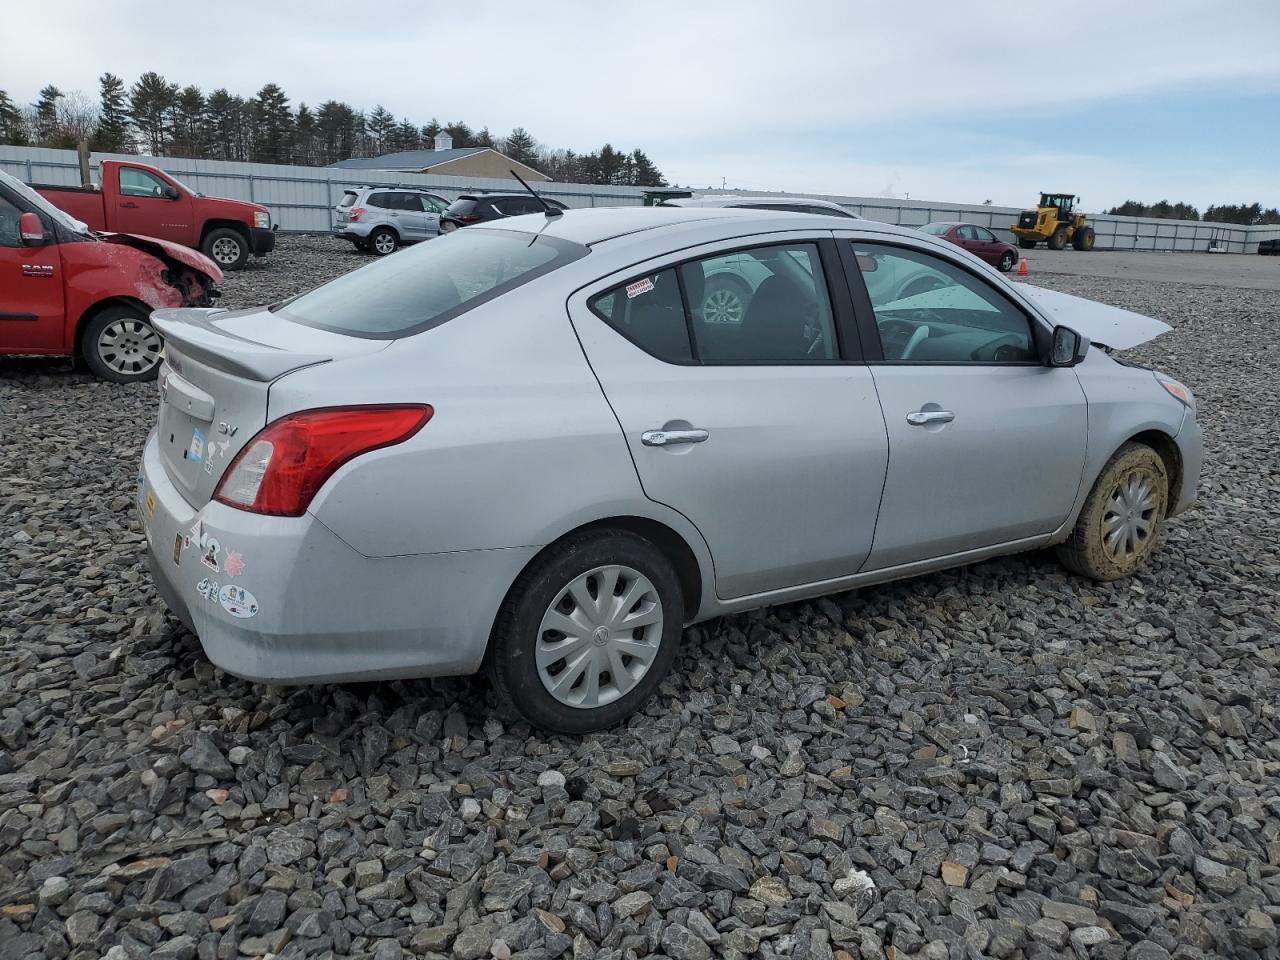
point(166, 248)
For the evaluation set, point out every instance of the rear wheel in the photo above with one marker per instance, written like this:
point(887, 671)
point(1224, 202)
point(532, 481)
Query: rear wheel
point(1007, 260)
point(1083, 240)
point(383, 241)
point(119, 344)
point(1119, 522)
point(1026, 244)
point(1058, 240)
point(588, 632)
point(361, 245)
point(226, 247)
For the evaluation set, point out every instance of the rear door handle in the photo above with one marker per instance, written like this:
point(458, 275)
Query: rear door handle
point(668, 438)
point(922, 418)
point(130, 205)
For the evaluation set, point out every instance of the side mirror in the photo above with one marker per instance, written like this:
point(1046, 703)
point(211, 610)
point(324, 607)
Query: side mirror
point(169, 193)
point(32, 230)
point(1068, 349)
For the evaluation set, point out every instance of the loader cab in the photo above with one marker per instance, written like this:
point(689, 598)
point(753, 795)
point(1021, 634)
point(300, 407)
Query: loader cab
point(1062, 202)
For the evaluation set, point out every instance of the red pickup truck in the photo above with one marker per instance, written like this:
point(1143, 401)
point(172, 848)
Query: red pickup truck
point(139, 199)
point(67, 291)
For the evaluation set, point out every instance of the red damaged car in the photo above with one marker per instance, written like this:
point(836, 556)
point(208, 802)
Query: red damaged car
point(67, 290)
point(979, 241)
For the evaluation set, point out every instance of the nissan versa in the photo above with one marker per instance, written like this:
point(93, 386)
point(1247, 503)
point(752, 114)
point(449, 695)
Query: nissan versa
point(524, 445)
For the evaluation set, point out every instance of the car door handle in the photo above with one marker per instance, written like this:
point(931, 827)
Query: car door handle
point(667, 438)
point(921, 418)
point(130, 205)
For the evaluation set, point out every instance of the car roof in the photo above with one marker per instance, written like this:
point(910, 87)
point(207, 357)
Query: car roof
point(597, 224)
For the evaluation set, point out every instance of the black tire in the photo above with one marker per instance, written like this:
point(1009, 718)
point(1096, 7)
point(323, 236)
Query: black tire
point(226, 247)
point(1083, 240)
point(1085, 552)
point(1026, 244)
point(725, 299)
point(511, 656)
point(136, 354)
point(1007, 261)
point(1058, 240)
point(361, 245)
point(383, 240)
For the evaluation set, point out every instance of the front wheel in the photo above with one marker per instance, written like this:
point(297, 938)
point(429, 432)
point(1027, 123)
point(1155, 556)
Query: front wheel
point(226, 247)
point(120, 345)
point(1007, 260)
point(1058, 241)
point(588, 632)
point(1118, 525)
point(1026, 244)
point(1083, 240)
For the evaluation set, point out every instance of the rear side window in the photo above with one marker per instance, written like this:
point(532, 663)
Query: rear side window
point(648, 312)
point(384, 200)
point(348, 199)
point(462, 207)
point(429, 284)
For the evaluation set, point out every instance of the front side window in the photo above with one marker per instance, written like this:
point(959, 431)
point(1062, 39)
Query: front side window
point(759, 305)
point(428, 284)
point(930, 310)
point(139, 183)
point(986, 236)
point(432, 203)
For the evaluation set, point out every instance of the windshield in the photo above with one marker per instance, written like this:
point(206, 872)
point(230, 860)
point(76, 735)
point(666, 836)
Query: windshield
point(937, 229)
point(63, 219)
point(422, 287)
point(194, 193)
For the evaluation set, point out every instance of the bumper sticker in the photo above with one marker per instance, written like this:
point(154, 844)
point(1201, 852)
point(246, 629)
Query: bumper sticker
point(238, 602)
point(196, 450)
point(151, 504)
point(208, 589)
point(177, 548)
point(233, 566)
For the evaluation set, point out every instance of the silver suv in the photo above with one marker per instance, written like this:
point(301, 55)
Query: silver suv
point(382, 219)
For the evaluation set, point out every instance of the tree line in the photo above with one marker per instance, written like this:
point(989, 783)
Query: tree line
point(1246, 214)
point(160, 118)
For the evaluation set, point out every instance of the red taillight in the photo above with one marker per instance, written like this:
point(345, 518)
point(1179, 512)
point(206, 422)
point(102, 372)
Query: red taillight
point(280, 470)
point(469, 217)
point(356, 214)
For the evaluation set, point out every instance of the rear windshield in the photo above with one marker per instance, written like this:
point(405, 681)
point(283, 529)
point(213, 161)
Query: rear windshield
point(430, 283)
point(462, 206)
point(937, 229)
point(348, 199)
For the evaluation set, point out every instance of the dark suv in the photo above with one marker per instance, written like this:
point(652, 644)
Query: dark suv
point(479, 207)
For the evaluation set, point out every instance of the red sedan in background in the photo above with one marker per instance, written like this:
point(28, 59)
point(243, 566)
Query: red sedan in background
point(979, 241)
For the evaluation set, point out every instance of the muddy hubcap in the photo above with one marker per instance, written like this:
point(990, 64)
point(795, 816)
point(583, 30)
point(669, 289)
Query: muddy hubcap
point(129, 346)
point(1129, 521)
point(599, 637)
point(226, 250)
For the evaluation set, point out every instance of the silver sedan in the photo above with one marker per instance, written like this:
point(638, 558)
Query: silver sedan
point(527, 445)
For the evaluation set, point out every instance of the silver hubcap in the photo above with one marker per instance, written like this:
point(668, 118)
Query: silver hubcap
point(722, 306)
point(383, 243)
point(599, 637)
point(1130, 517)
point(226, 250)
point(129, 346)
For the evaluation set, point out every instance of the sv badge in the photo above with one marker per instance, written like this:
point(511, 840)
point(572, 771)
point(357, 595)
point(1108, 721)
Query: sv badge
point(226, 429)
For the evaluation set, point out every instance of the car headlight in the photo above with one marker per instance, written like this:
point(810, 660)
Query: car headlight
point(261, 219)
point(1179, 391)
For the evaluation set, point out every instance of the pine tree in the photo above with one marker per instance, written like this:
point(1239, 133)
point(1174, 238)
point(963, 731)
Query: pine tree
point(113, 122)
point(13, 129)
point(643, 172)
point(46, 115)
point(381, 126)
point(521, 147)
point(407, 136)
point(188, 123)
point(483, 139)
point(461, 134)
point(304, 138)
point(272, 126)
point(151, 102)
point(429, 134)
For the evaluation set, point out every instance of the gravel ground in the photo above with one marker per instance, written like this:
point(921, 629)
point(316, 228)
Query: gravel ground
point(996, 761)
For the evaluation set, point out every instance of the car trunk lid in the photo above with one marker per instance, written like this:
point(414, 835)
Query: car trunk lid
point(214, 385)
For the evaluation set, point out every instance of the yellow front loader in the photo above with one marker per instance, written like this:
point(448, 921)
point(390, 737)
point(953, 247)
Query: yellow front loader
point(1055, 223)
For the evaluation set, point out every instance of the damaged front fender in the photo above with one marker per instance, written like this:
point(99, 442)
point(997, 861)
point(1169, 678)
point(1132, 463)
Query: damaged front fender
point(172, 275)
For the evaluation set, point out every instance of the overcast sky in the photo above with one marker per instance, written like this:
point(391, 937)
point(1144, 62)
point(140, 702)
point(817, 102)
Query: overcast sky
point(940, 100)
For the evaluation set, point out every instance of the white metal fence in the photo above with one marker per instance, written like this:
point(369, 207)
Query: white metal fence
point(302, 199)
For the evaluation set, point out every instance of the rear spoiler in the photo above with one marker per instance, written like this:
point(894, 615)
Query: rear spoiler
point(191, 332)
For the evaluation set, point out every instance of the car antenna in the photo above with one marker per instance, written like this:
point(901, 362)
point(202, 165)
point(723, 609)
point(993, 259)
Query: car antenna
point(547, 208)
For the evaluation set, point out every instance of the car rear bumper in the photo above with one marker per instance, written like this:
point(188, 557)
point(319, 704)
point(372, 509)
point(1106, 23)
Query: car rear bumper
point(298, 605)
point(352, 231)
point(261, 240)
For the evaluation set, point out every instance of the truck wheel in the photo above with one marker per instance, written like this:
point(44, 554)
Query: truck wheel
point(587, 633)
point(1058, 241)
point(119, 344)
point(1026, 244)
point(1120, 521)
point(1083, 240)
point(383, 241)
point(226, 247)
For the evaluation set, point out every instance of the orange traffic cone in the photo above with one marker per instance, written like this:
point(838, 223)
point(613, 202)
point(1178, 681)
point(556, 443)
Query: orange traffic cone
point(1022, 268)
